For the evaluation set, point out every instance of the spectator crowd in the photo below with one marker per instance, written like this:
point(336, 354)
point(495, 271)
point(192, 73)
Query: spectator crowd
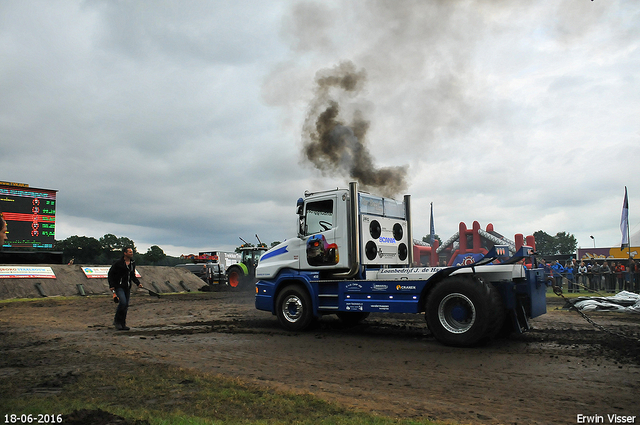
point(595, 275)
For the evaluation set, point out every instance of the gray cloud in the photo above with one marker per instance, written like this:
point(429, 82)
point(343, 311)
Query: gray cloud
point(183, 124)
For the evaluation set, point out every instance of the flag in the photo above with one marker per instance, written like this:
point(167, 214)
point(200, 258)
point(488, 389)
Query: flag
point(624, 220)
point(432, 231)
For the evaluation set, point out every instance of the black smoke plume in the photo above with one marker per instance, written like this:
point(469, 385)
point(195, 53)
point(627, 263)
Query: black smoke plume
point(335, 146)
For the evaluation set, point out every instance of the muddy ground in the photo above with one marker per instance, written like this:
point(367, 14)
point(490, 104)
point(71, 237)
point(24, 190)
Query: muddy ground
point(389, 364)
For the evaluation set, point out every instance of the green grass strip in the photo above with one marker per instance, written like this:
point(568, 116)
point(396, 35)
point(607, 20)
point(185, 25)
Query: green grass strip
point(166, 395)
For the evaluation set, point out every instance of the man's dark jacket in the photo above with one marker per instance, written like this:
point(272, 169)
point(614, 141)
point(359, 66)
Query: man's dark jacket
point(118, 274)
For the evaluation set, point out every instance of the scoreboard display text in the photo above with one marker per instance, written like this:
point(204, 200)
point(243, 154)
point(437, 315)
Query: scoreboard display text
point(30, 214)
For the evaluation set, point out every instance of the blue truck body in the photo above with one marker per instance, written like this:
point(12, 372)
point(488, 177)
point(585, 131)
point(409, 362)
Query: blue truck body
point(308, 277)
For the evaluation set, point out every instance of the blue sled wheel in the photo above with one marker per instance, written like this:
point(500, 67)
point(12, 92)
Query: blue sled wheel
point(459, 311)
point(293, 308)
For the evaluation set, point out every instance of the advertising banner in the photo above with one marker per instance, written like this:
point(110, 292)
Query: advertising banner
point(26, 272)
point(99, 272)
point(615, 253)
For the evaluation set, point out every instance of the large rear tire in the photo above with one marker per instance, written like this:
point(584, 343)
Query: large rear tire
point(235, 277)
point(459, 311)
point(294, 308)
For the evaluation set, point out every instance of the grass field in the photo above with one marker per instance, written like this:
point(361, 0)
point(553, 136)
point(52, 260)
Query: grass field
point(161, 395)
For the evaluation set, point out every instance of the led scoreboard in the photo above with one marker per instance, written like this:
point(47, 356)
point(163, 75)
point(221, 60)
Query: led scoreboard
point(30, 214)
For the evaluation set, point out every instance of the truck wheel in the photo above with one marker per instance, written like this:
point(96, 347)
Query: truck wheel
point(235, 277)
point(458, 311)
point(352, 318)
point(293, 308)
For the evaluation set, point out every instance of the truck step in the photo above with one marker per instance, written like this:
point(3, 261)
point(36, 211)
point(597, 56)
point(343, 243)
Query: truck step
point(328, 302)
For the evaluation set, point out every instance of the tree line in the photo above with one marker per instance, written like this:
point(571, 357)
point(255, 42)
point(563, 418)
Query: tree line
point(562, 243)
point(107, 249)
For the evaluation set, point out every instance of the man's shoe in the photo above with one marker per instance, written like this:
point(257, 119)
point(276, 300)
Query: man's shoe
point(125, 327)
point(119, 326)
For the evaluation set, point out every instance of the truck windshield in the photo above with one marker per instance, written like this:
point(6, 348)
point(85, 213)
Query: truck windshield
point(319, 217)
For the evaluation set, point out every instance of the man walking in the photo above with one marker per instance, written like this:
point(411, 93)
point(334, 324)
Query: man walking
point(120, 276)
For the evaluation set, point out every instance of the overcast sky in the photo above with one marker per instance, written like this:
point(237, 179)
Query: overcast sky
point(182, 123)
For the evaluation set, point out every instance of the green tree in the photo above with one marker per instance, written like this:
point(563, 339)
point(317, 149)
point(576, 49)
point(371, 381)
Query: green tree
point(274, 243)
point(126, 242)
point(545, 243)
point(82, 249)
point(566, 243)
point(109, 242)
point(112, 247)
point(562, 243)
point(154, 255)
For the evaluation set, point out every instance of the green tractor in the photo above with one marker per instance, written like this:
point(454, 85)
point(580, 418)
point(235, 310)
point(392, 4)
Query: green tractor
point(243, 274)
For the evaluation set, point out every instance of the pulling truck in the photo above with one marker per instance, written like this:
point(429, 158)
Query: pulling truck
point(353, 256)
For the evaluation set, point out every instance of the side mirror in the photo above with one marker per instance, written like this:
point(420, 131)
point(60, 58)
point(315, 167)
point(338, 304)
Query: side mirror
point(300, 212)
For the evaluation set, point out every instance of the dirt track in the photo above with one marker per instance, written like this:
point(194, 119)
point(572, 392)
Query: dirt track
point(388, 364)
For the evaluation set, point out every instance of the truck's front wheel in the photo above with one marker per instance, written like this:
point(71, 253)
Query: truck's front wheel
point(458, 311)
point(293, 308)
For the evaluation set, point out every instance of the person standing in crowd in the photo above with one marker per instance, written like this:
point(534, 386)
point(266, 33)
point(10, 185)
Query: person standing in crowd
point(634, 272)
point(574, 273)
point(609, 284)
point(557, 271)
point(628, 276)
point(569, 274)
point(620, 272)
point(121, 274)
point(543, 265)
point(596, 277)
point(582, 274)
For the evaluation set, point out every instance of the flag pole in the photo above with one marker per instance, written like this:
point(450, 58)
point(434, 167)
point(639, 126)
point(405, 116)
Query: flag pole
point(431, 228)
point(628, 227)
point(630, 276)
point(625, 217)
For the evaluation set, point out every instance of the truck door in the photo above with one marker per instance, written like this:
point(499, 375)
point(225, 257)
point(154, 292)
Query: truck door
point(322, 235)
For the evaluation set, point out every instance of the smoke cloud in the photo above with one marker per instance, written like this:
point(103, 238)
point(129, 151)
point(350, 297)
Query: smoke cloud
point(334, 145)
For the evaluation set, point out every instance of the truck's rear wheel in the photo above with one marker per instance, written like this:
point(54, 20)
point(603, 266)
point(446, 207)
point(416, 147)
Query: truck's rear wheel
point(294, 309)
point(458, 311)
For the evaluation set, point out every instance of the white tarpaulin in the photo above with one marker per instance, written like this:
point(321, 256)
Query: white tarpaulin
point(624, 301)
